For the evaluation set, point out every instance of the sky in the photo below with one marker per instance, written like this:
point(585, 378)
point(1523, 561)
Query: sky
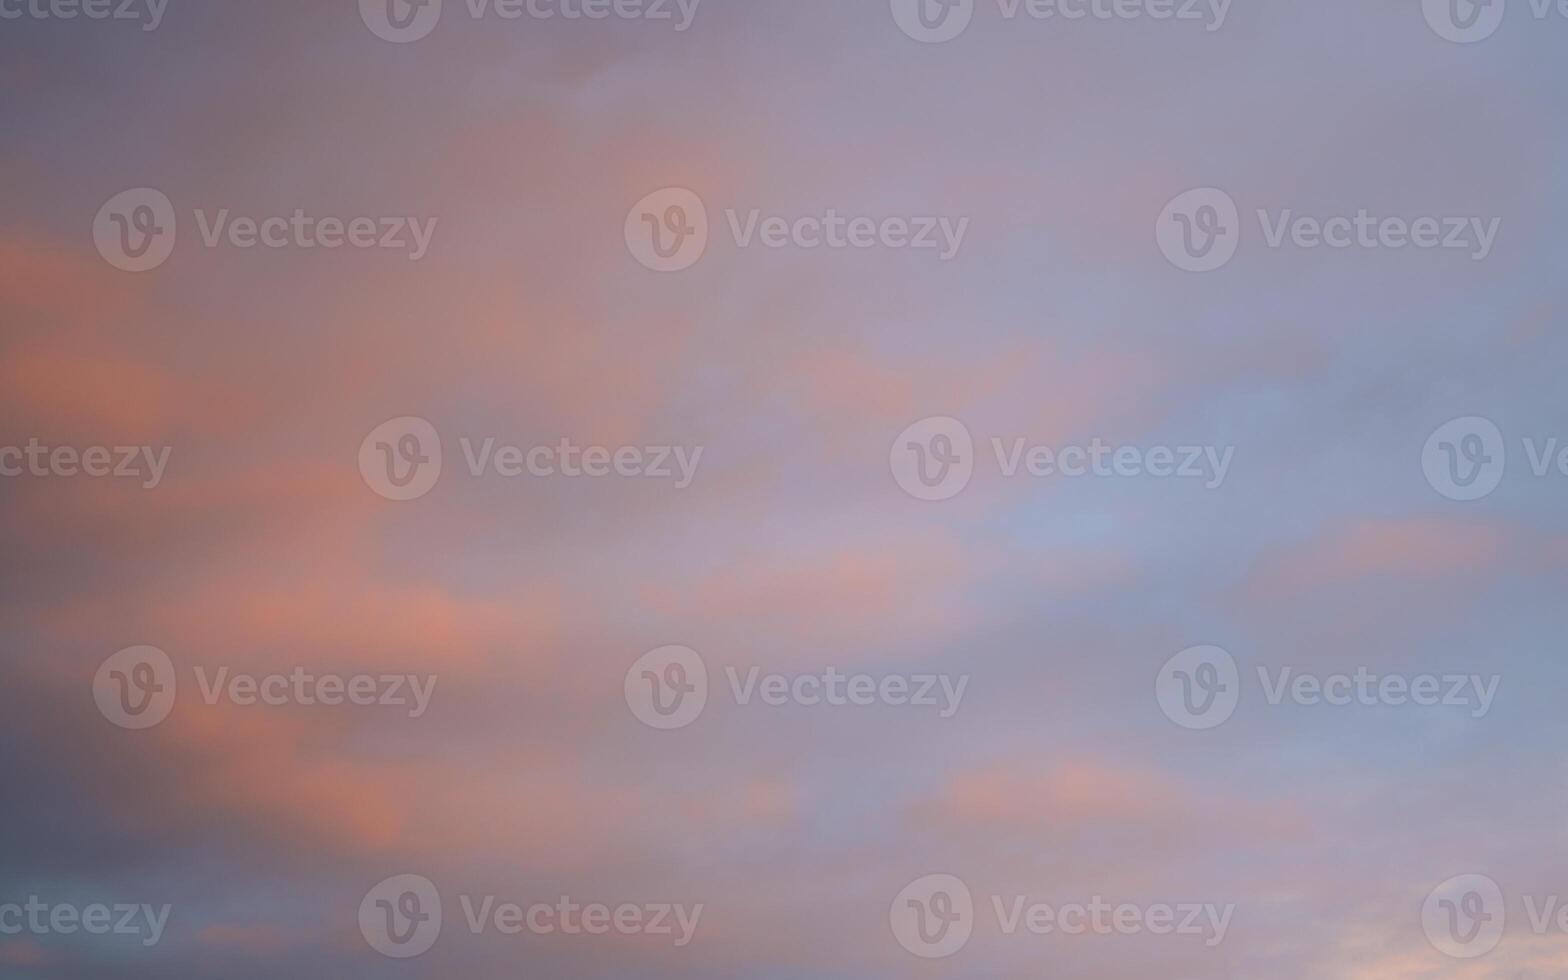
point(806, 490)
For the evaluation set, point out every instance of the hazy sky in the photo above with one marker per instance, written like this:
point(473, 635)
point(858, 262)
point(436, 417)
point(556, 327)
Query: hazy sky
point(698, 310)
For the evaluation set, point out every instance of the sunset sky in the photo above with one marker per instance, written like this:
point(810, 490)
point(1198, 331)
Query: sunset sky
point(523, 148)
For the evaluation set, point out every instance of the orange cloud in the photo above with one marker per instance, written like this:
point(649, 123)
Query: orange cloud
point(254, 940)
point(836, 598)
point(1412, 548)
point(1080, 796)
point(22, 953)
